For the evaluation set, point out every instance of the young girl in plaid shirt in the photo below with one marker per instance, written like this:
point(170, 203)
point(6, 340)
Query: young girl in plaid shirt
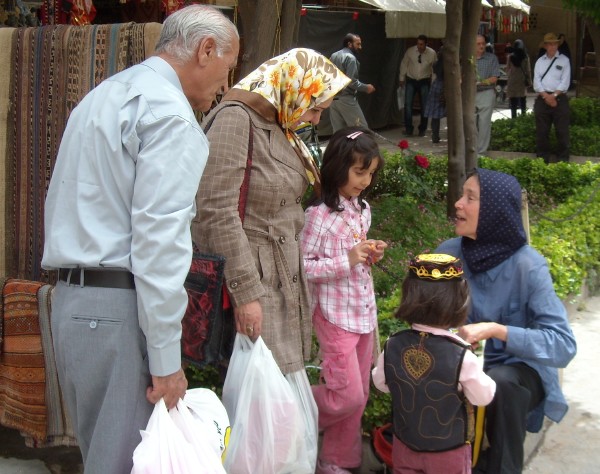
point(337, 260)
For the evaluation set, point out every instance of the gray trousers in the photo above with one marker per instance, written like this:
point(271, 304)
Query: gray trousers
point(345, 112)
point(484, 108)
point(103, 371)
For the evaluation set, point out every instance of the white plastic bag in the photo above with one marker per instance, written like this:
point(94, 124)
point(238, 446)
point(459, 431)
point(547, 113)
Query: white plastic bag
point(175, 442)
point(309, 412)
point(267, 426)
point(211, 413)
point(400, 97)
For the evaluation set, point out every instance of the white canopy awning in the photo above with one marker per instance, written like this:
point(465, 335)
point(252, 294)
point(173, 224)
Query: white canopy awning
point(516, 4)
point(411, 18)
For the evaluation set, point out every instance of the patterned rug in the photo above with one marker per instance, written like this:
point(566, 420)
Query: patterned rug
point(6, 41)
point(35, 126)
point(53, 67)
point(22, 374)
point(30, 397)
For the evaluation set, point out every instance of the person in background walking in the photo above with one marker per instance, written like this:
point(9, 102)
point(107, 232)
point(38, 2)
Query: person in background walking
point(345, 110)
point(117, 222)
point(436, 102)
point(416, 69)
point(551, 78)
point(488, 72)
point(337, 260)
point(518, 70)
point(435, 298)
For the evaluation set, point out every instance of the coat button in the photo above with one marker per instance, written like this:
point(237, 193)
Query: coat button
point(298, 199)
point(296, 237)
point(93, 324)
point(295, 278)
point(234, 284)
point(280, 285)
point(282, 203)
point(282, 239)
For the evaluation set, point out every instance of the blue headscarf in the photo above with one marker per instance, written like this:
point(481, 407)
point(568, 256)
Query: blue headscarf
point(500, 231)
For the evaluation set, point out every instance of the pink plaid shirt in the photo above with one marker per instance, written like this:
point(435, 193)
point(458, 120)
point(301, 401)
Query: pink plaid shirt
point(344, 295)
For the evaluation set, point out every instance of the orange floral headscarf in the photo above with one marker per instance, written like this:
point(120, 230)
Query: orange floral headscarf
point(295, 82)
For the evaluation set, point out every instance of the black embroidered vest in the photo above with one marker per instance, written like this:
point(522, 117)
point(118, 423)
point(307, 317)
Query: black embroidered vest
point(422, 371)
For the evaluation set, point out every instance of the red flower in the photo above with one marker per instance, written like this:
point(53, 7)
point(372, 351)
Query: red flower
point(403, 144)
point(422, 161)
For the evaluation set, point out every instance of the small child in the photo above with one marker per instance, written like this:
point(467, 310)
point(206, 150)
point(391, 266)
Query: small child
point(432, 374)
point(337, 261)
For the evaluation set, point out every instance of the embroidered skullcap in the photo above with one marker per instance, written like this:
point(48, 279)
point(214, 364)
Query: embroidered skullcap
point(435, 267)
point(500, 231)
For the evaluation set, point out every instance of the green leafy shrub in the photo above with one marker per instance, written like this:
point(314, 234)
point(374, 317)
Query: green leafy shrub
point(518, 134)
point(568, 236)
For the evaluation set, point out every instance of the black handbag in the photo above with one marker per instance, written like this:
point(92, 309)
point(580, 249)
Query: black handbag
point(208, 326)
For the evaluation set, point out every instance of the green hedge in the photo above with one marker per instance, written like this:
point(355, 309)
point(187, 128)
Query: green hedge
point(518, 134)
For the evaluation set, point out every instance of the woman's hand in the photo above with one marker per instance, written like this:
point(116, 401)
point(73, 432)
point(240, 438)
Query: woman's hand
point(474, 333)
point(248, 319)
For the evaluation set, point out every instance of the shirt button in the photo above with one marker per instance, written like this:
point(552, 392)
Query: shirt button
point(282, 239)
point(93, 324)
point(295, 278)
point(282, 203)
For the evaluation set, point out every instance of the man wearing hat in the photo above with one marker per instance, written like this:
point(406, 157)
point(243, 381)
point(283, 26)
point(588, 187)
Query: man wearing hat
point(551, 78)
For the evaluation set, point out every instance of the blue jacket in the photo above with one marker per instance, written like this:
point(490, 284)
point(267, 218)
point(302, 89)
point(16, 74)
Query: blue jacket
point(518, 293)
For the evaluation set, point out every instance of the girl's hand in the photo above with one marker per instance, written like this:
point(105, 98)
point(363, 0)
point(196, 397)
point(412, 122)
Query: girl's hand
point(360, 252)
point(377, 249)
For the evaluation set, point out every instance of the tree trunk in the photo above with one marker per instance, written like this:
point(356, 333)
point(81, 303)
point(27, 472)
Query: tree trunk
point(260, 23)
point(454, 107)
point(594, 31)
point(290, 23)
point(471, 16)
point(268, 29)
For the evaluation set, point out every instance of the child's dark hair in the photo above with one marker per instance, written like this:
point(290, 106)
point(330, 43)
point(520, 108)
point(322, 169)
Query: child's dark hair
point(443, 304)
point(346, 147)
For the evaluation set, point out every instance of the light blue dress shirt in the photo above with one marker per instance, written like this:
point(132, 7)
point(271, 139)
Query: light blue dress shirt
point(558, 77)
point(122, 195)
point(518, 293)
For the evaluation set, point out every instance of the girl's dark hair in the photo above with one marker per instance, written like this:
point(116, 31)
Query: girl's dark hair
point(340, 155)
point(442, 304)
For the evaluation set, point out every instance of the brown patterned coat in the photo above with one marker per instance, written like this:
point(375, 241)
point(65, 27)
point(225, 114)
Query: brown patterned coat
point(264, 259)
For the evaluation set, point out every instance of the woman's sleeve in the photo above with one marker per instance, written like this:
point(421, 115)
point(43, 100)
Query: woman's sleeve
point(217, 227)
point(548, 338)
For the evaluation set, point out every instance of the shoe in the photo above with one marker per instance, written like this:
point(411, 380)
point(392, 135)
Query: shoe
point(324, 467)
point(421, 134)
point(408, 133)
point(435, 140)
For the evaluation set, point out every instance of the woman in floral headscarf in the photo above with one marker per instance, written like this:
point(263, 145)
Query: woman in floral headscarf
point(264, 274)
point(515, 310)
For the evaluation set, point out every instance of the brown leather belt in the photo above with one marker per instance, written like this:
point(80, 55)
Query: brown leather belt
point(98, 277)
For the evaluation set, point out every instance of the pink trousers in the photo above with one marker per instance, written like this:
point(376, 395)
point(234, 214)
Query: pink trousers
point(346, 367)
point(407, 461)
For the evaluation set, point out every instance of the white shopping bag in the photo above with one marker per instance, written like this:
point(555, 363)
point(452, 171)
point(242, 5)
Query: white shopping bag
point(267, 424)
point(176, 442)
